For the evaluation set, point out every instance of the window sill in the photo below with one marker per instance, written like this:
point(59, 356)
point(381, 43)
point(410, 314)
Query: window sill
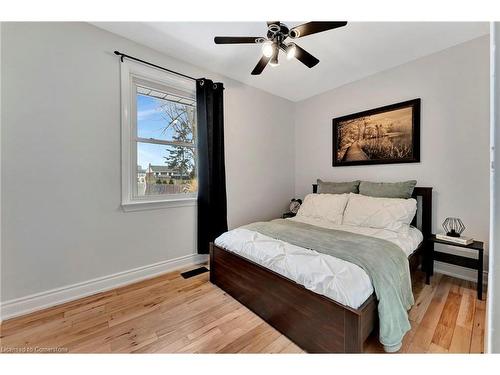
point(154, 205)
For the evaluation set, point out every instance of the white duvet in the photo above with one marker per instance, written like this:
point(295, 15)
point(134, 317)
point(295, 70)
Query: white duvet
point(334, 278)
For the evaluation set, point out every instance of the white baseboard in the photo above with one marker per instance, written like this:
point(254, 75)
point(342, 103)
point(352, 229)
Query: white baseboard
point(458, 272)
point(39, 301)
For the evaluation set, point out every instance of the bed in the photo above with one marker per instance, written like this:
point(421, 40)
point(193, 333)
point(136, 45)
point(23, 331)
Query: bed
point(315, 322)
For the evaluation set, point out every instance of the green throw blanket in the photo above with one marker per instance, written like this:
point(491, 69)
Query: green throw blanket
point(384, 262)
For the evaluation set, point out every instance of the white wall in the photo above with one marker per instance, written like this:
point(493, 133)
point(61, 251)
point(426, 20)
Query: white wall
point(454, 87)
point(61, 217)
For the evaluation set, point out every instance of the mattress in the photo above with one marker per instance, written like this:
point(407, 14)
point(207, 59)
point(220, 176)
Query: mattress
point(341, 281)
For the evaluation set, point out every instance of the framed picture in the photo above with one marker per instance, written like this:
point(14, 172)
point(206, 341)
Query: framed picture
point(389, 134)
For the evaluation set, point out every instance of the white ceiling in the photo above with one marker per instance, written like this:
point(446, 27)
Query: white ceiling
point(347, 54)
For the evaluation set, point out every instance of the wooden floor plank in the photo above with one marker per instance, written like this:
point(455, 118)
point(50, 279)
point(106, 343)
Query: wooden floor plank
point(461, 340)
point(477, 340)
point(448, 319)
point(277, 346)
point(465, 316)
point(169, 314)
point(242, 341)
point(433, 348)
point(426, 328)
point(422, 302)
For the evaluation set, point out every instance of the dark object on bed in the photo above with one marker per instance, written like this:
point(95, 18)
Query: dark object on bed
point(314, 322)
point(389, 134)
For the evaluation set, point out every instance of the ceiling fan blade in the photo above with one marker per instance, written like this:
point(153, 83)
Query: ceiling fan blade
point(305, 57)
point(314, 27)
point(260, 65)
point(237, 39)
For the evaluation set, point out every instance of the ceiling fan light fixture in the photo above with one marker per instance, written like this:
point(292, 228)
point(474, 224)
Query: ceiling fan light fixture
point(274, 59)
point(290, 51)
point(267, 49)
point(275, 40)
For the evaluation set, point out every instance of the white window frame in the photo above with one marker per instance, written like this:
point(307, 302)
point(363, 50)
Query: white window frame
point(130, 73)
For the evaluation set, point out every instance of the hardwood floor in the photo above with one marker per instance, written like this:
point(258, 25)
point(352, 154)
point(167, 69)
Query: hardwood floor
point(170, 314)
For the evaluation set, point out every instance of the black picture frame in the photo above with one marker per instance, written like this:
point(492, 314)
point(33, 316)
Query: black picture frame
point(415, 135)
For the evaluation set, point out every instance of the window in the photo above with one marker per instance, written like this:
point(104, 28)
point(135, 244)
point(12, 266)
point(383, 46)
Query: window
point(158, 138)
point(165, 142)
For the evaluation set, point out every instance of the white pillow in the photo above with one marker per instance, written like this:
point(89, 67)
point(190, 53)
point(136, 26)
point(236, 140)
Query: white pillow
point(328, 207)
point(393, 214)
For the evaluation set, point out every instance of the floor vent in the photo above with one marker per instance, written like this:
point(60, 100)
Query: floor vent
point(195, 272)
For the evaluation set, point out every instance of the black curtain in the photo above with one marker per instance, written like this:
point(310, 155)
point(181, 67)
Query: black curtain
point(212, 206)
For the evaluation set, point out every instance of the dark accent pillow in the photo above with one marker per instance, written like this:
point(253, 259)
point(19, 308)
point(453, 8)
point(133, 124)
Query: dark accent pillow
point(387, 189)
point(337, 187)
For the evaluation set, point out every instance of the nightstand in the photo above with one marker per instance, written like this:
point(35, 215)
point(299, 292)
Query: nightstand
point(458, 260)
point(286, 215)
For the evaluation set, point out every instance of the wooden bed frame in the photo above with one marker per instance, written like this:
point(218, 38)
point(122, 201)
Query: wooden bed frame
point(314, 322)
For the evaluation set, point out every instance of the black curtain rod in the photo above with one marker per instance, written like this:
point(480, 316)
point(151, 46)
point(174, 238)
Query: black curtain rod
point(122, 55)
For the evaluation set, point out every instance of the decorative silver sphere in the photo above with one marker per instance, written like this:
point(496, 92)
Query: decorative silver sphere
point(453, 226)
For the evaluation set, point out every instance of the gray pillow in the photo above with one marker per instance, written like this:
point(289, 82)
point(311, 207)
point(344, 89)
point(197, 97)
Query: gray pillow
point(337, 187)
point(387, 189)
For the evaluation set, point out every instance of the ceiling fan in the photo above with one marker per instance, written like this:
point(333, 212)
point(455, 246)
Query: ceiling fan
point(277, 33)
